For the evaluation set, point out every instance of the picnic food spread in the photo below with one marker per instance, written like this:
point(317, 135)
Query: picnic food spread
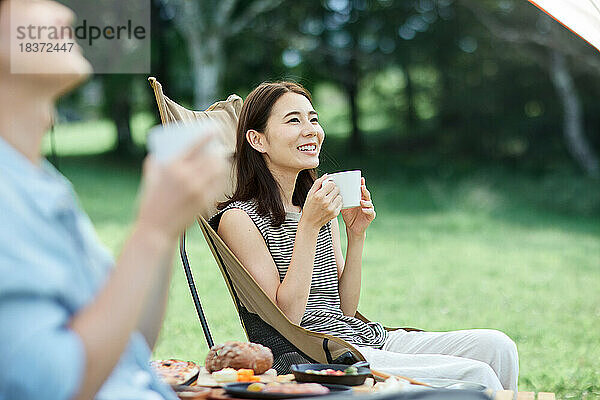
point(241, 369)
point(239, 355)
point(175, 372)
point(193, 382)
point(237, 362)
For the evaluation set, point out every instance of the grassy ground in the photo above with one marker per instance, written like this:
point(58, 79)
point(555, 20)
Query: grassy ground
point(450, 249)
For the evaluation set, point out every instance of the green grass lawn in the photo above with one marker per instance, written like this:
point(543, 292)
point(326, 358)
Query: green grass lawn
point(485, 248)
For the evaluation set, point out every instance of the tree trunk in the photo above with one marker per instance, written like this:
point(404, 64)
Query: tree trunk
point(355, 135)
point(577, 144)
point(117, 106)
point(205, 25)
point(159, 28)
point(351, 86)
point(121, 114)
point(207, 65)
point(411, 115)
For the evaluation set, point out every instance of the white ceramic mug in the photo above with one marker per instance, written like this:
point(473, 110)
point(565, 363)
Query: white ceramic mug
point(168, 142)
point(349, 183)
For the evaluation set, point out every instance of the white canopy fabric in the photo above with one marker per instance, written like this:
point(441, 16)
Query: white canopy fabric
point(582, 17)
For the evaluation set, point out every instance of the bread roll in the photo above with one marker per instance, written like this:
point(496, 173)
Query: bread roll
point(239, 355)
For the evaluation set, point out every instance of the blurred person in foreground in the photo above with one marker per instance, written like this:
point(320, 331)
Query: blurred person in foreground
point(74, 323)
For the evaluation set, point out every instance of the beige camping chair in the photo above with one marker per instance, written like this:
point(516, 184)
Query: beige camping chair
point(261, 319)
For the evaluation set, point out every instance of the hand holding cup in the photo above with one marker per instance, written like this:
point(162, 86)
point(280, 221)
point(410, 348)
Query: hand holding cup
point(323, 203)
point(357, 219)
point(181, 184)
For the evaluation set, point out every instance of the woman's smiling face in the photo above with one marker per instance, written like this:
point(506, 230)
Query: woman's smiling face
point(293, 136)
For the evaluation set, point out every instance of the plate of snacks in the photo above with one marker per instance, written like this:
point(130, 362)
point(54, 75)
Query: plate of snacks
point(175, 372)
point(339, 374)
point(276, 391)
point(185, 392)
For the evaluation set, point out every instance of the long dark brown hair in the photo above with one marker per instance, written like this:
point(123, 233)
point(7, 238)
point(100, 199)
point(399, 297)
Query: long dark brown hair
point(254, 179)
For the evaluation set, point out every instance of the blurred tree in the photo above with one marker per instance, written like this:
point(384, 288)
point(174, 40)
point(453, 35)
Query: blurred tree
point(206, 25)
point(160, 44)
point(550, 46)
point(119, 102)
point(117, 105)
point(117, 89)
point(419, 35)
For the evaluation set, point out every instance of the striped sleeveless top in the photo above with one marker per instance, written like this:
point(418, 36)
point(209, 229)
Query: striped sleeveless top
point(323, 313)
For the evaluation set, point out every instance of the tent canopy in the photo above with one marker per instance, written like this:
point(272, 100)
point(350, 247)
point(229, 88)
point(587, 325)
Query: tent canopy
point(581, 17)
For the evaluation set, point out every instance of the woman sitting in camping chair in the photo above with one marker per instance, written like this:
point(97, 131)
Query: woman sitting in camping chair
point(281, 224)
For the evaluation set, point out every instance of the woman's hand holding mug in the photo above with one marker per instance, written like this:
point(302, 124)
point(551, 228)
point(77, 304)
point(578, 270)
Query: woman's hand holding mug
point(357, 219)
point(323, 203)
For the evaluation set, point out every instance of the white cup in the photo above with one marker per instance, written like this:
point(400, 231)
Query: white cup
point(168, 142)
point(349, 184)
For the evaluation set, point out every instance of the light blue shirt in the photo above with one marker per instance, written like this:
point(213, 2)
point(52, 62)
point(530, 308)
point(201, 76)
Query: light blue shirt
point(51, 266)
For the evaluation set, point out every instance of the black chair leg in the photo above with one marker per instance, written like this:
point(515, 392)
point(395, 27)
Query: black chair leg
point(194, 292)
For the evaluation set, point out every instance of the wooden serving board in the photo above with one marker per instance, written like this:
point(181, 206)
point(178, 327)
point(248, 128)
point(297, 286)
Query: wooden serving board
point(206, 379)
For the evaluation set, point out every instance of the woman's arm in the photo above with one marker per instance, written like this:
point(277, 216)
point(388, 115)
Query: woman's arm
point(337, 246)
point(244, 239)
point(356, 220)
point(241, 235)
point(349, 271)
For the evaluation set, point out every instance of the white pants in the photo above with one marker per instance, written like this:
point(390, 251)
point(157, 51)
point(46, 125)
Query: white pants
point(484, 356)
